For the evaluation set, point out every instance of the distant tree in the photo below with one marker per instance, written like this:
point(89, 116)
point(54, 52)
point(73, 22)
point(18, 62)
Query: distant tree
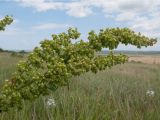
point(1, 50)
point(22, 51)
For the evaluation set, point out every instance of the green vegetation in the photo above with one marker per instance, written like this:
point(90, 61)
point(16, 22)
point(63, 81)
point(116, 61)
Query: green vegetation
point(119, 93)
point(7, 65)
point(7, 20)
point(56, 61)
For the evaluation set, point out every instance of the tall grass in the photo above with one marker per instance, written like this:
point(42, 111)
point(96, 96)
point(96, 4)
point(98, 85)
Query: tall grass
point(114, 94)
point(7, 65)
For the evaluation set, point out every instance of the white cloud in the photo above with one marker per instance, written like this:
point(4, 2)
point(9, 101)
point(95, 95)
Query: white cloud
point(50, 26)
point(145, 23)
point(14, 31)
point(10, 31)
point(76, 9)
point(125, 16)
point(140, 15)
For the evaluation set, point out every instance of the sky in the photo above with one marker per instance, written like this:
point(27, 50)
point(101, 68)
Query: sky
point(36, 20)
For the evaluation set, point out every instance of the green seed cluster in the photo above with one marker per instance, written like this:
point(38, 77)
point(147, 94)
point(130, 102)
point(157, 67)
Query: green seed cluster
point(51, 65)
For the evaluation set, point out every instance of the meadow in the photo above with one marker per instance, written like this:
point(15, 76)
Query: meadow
point(125, 92)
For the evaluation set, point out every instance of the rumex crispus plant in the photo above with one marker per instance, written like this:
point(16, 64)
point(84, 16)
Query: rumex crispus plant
point(57, 60)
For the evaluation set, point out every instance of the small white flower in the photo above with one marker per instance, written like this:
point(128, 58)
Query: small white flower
point(150, 93)
point(51, 102)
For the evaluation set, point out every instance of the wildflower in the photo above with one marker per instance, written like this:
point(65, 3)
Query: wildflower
point(150, 93)
point(51, 102)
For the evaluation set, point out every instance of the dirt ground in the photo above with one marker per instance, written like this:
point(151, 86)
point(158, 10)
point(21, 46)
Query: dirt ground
point(145, 59)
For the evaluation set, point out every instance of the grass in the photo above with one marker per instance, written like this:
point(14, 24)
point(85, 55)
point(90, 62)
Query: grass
point(149, 59)
point(114, 94)
point(7, 65)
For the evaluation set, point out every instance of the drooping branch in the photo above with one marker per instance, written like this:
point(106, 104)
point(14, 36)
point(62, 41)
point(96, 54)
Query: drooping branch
point(4, 22)
point(112, 37)
point(53, 63)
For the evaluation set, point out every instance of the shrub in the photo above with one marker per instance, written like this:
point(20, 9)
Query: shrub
point(53, 63)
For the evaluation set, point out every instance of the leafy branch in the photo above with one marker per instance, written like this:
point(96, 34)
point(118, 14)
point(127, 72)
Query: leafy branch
point(52, 65)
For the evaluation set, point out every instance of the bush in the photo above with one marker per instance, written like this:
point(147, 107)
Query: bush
point(56, 61)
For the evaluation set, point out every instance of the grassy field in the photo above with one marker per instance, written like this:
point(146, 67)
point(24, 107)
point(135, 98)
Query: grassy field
point(154, 59)
point(125, 92)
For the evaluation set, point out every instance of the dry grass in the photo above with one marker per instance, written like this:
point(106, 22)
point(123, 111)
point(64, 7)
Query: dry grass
point(149, 59)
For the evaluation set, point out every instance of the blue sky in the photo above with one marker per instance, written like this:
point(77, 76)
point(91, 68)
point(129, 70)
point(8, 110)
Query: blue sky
point(36, 20)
